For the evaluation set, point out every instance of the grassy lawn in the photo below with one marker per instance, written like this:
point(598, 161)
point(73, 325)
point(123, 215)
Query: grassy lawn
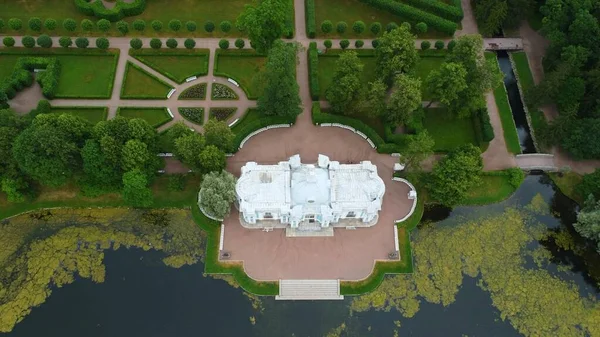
point(567, 182)
point(243, 66)
point(493, 188)
point(176, 64)
point(92, 114)
point(374, 123)
point(424, 67)
point(448, 131)
point(139, 84)
point(154, 116)
point(84, 74)
point(251, 115)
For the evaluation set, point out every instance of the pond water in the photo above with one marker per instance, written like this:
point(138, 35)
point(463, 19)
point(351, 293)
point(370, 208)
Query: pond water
point(140, 296)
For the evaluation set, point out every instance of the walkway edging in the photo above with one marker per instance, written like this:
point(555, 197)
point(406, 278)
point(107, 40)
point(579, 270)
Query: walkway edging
point(414, 205)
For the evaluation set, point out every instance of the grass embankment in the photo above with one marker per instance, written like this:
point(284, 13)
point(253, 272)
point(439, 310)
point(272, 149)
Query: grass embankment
point(154, 116)
point(176, 64)
point(92, 114)
point(243, 66)
point(567, 184)
point(447, 131)
point(495, 187)
point(251, 115)
point(85, 73)
point(138, 84)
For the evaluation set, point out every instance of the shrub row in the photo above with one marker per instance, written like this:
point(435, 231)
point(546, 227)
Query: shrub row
point(438, 8)
point(311, 24)
point(120, 10)
point(22, 76)
point(412, 14)
point(487, 131)
point(313, 71)
point(258, 124)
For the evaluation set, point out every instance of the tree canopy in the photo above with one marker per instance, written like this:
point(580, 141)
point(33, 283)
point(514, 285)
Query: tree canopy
point(217, 192)
point(345, 93)
point(405, 99)
point(265, 22)
point(395, 53)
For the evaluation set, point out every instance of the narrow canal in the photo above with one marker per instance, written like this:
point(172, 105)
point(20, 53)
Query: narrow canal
point(516, 105)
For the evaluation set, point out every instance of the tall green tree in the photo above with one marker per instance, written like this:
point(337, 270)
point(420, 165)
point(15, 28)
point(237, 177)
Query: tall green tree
point(376, 99)
point(187, 149)
point(395, 53)
point(418, 148)
point(265, 22)
point(100, 174)
point(212, 159)
point(345, 93)
point(219, 134)
point(135, 189)
point(135, 155)
point(217, 192)
point(281, 95)
point(588, 221)
point(490, 15)
point(405, 99)
point(445, 83)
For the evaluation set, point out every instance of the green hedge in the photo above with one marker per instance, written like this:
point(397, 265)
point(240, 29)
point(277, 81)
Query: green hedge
point(412, 14)
point(438, 8)
point(313, 71)
point(120, 10)
point(22, 76)
point(487, 131)
point(260, 123)
point(311, 24)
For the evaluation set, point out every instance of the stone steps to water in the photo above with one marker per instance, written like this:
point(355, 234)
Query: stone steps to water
point(293, 232)
point(309, 290)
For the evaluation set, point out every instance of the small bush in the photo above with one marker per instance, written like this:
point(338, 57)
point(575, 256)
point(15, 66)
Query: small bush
point(28, 41)
point(451, 45)
point(15, 24)
point(8, 41)
point(376, 28)
point(225, 26)
point(103, 25)
point(406, 25)
point(171, 43)
point(35, 24)
point(189, 43)
point(375, 43)
point(239, 43)
point(69, 24)
point(157, 25)
point(358, 27)
point(209, 26)
point(87, 25)
point(123, 27)
point(65, 42)
point(43, 106)
point(44, 41)
point(155, 43)
point(102, 43)
point(191, 26)
point(516, 176)
point(425, 45)
point(439, 45)
point(139, 25)
point(175, 25)
point(359, 43)
point(176, 182)
point(341, 27)
point(136, 43)
point(344, 44)
point(421, 27)
point(82, 42)
point(487, 131)
point(1, 23)
point(50, 24)
point(326, 26)
point(194, 115)
point(391, 26)
point(327, 44)
point(224, 44)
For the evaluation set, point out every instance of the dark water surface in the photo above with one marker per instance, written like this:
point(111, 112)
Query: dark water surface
point(143, 297)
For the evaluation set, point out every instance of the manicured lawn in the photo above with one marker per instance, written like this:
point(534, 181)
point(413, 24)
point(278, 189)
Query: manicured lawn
point(92, 114)
point(374, 123)
point(243, 66)
point(494, 188)
point(142, 85)
point(448, 131)
point(424, 67)
point(84, 74)
point(251, 115)
point(176, 64)
point(154, 116)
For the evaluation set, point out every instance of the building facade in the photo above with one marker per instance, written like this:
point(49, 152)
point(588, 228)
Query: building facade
point(309, 196)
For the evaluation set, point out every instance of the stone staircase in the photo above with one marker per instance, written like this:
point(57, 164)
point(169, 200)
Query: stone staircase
point(309, 290)
point(294, 232)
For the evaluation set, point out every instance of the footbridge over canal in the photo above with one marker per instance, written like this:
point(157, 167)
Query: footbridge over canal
point(537, 161)
point(503, 43)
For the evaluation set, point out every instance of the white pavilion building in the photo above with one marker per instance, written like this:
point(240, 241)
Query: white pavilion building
point(309, 196)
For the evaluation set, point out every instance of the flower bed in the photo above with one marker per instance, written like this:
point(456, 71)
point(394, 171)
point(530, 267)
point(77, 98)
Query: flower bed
point(222, 114)
point(194, 115)
point(195, 92)
point(222, 92)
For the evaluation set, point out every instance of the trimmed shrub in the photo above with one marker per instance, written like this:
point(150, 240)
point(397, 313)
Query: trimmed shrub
point(1, 23)
point(406, 25)
point(82, 42)
point(171, 43)
point(28, 41)
point(22, 76)
point(239, 43)
point(65, 42)
point(155, 43)
point(358, 27)
point(341, 27)
point(311, 24)
point(209, 26)
point(375, 43)
point(103, 25)
point(136, 43)
point(327, 44)
point(44, 41)
point(102, 43)
point(375, 28)
point(515, 176)
point(487, 131)
point(189, 43)
point(87, 25)
point(157, 25)
point(35, 24)
point(120, 10)
point(326, 26)
point(175, 25)
point(359, 43)
point(391, 26)
point(8, 41)
point(313, 71)
point(451, 45)
point(425, 45)
point(69, 24)
point(439, 45)
point(191, 26)
point(225, 26)
point(139, 25)
point(123, 27)
point(43, 106)
point(344, 44)
point(50, 24)
point(15, 24)
point(421, 27)
point(224, 44)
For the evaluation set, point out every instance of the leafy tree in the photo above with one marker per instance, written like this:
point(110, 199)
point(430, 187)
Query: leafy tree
point(82, 42)
point(103, 25)
point(15, 188)
point(344, 44)
point(439, 45)
point(391, 26)
point(265, 22)
point(139, 25)
point(8, 41)
point(375, 28)
point(217, 192)
point(69, 24)
point(28, 41)
point(451, 45)
point(454, 175)
point(171, 43)
point(35, 24)
point(358, 27)
point(176, 182)
point(175, 25)
point(187, 149)
point(102, 43)
point(445, 83)
point(418, 148)
point(44, 41)
point(224, 44)
point(209, 26)
point(326, 26)
point(490, 15)
point(239, 43)
point(425, 45)
point(375, 43)
point(327, 44)
point(281, 95)
point(87, 25)
point(123, 27)
point(375, 102)
point(155, 43)
point(212, 159)
point(191, 26)
point(346, 91)
point(341, 27)
point(396, 53)
point(590, 185)
point(135, 189)
point(50, 24)
point(100, 175)
point(225, 26)
point(588, 221)
point(421, 27)
point(189, 43)
point(219, 134)
point(135, 43)
point(580, 137)
point(359, 44)
point(15, 24)
point(65, 41)
point(135, 155)
point(405, 99)
point(157, 25)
